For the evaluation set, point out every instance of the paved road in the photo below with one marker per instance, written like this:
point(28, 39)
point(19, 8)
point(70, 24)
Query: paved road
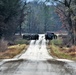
point(37, 61)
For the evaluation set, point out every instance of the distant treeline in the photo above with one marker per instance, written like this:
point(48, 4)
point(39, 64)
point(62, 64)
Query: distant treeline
point(41, 18)
point(18, 16)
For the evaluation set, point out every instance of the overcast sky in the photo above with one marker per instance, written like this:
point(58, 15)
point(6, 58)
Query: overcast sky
point(34, 0)
point(47, 3)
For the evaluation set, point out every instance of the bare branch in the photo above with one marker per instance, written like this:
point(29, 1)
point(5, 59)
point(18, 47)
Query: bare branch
point(70, 2)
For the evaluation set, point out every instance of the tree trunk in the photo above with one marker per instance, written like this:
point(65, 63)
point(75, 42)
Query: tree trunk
point(20, 30)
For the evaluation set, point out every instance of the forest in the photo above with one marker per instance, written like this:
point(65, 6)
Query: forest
point(37, 17)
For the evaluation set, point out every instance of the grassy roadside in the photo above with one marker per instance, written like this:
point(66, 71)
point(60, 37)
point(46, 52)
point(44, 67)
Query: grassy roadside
point(64, 52)
point(11, 48)
point(13, 51)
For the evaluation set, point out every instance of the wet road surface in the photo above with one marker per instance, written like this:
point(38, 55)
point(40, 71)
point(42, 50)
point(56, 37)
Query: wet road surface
point(37, 61)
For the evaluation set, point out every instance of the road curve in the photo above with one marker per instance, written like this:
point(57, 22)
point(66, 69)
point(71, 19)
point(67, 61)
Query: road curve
point(37, 61)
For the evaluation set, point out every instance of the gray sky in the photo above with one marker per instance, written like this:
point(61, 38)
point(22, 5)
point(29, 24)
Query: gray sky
point(34, 0)
point(47, 3)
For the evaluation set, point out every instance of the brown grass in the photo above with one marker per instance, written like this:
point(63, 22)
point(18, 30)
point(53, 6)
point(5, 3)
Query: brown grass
point(60, 50)
point(65, 53)
point(12, 51)
point(71, 51)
